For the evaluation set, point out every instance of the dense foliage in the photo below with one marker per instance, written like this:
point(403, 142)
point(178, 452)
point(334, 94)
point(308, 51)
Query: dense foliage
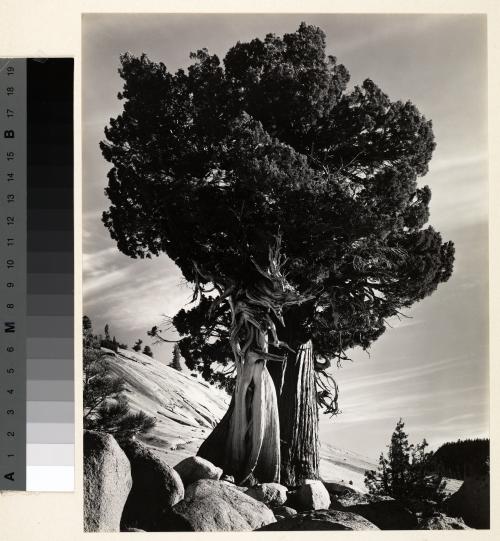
point(406, 473)
point(453, 459)
point(211, 165)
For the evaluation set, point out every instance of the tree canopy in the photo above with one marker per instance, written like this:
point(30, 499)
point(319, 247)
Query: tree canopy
point(268, 158)
point(454, 459)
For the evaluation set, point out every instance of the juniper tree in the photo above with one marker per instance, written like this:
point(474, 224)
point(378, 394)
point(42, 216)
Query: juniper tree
point(147, 351)
point(137, 346)
point(292, 205)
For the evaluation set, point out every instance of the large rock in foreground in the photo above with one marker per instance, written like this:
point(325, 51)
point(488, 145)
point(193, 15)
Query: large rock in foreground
point(217, 506)
point(442, 522)
point(383, 511)
point(107, 481)
point(282, 511)
point(387, 514)
point(194, 468)
point(311, 495)
point(156, 488)
point(271, 494)
point(321, 520)
point(340, 491)
point(472, 501)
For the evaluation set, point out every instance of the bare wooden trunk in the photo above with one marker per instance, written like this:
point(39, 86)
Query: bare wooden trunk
point(246, 441)
point(298, 412)
point(298, 419)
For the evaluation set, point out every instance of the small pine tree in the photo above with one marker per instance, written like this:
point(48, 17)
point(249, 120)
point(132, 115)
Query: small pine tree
point(399, 460)
point(98, 385)
point(176, 360)
point(110, 343)
point(147, 351)
point(137, 346)
point(87, 324)
point(90, 340)
point(116, 418)
point(406, 473)
point(87, 331)
point(106, 408)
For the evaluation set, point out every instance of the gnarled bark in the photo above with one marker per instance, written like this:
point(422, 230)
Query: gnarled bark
point(298, 412)
point(298, 425)
point(250, 432)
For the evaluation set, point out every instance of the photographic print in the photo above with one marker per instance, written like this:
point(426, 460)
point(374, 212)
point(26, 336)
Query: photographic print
point(285, 272)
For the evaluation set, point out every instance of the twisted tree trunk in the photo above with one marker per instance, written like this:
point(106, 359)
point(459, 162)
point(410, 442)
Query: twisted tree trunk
point(253, 436)
point(246, 441)
point(298, 425)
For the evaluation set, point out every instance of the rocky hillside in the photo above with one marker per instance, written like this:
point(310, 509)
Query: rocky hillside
point(187, 408)
point(344, 467)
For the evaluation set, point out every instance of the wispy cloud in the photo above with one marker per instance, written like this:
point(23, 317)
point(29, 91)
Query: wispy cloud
point(451, 163)
point(403, 374)
point(378, 34)
point(97, 263)
point(107, 281)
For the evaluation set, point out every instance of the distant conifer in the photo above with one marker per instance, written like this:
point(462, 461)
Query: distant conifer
point(176, 360)
point(406, 473)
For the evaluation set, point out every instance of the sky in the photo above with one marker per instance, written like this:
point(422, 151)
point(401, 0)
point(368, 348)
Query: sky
point(431, 368)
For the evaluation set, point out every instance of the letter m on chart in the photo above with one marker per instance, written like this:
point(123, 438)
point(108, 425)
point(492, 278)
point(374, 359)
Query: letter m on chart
point(10, 326)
